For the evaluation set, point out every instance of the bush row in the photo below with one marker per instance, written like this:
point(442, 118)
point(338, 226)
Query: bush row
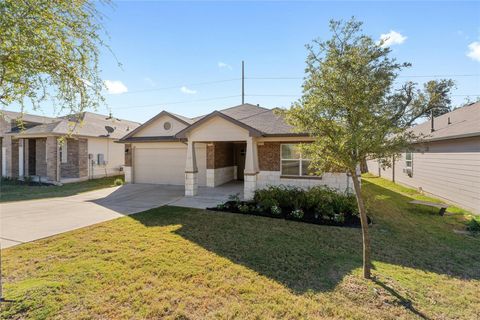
point(320, 205)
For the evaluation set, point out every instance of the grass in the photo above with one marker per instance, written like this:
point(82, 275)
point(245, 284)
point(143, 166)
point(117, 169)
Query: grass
point(179, 263)
point(16, 191)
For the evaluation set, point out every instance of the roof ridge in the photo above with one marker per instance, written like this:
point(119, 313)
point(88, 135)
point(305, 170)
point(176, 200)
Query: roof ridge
point(244, 104)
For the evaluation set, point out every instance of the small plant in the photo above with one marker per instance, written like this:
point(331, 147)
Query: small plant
point(235, 198)
point(220, 206)
point(118, 182)
point(276, 210)
point(297, 213)
point(473, 225)
point(243, 208)
point(339, 217)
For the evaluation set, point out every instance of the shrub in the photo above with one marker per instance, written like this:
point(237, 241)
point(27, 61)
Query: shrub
point(297, 213)
point(243, 208)
point(473, 225)
point(235, 198)
point(276, 210)
point(118, 182)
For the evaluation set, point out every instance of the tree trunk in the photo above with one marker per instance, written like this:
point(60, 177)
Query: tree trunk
point(364, 221)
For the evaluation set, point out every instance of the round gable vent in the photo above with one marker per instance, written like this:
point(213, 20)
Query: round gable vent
point(167, 125)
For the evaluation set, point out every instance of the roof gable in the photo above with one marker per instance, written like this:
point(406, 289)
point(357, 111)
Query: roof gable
point(252, 131)
point(156, 121)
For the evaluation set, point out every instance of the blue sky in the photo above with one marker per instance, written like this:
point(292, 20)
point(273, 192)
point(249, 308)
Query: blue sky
point(181, 44)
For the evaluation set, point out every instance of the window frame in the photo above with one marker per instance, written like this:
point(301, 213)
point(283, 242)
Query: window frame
point(409, 160)
point(63, 152)
point(300, 160)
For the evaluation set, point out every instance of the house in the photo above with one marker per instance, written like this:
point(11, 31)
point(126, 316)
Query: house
point(447, 163)
point(246, 143)
point(64, 149)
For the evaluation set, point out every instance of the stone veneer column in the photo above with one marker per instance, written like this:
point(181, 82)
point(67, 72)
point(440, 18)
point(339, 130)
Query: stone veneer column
point(52, 152)
point(251, 169)
point(7, 156)
point(191, 171)
point(127, 168)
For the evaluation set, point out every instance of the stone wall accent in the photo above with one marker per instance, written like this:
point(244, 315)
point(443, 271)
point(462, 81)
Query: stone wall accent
point(219, 176)
point(269, 156)
point(191, 184)
point(219, 155)
point(340, 181)
point(128, 155)
point(40, 157)
point(83, 157)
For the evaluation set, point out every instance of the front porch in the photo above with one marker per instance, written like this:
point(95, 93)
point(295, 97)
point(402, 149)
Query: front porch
point(229, 163)
point(45, 158)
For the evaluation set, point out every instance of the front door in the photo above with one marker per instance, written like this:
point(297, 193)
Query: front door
point(240, 151)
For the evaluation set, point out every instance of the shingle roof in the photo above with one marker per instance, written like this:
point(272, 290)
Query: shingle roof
point(259, 118)
point(85, 124)
point(12, 115)
point(464, 122)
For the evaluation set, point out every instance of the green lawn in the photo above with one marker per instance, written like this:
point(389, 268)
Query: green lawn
point(182, 263)
point(13, 191)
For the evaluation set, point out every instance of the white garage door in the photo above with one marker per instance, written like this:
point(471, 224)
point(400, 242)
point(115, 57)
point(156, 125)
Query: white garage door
point(166, 165)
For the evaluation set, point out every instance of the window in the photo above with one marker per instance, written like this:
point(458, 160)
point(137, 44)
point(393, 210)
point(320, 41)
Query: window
point(63, 152)
point(408, 160)
point(292, 162)
point(100, 159)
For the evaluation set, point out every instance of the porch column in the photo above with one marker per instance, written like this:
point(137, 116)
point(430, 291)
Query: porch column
point(7, 156)
point(191, 171)
point(251, 169)
point(21, 168)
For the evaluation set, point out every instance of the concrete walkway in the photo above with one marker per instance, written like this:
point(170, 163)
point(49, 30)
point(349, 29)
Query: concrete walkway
point(25, 221)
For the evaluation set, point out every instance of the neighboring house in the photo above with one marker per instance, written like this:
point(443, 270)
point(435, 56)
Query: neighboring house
point(61, 150)
point(447, 163)
point(247, 143)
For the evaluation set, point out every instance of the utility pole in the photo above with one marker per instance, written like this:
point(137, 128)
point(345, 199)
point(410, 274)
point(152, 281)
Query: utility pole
point(243, 82)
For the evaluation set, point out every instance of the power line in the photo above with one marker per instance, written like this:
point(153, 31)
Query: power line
point(400, 76)
point(183, 85)
point(176, 102)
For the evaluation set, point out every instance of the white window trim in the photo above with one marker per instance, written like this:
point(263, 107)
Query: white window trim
point(301, 159)
point(64, 152)
point(407, 161)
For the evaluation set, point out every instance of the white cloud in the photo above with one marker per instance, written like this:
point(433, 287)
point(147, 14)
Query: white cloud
point(187, 90)
point(115, 86)
point(474, 50)
point(223, 65)
point(391, 38)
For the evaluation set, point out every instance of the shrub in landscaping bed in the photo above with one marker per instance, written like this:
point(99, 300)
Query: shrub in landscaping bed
point(319, 205)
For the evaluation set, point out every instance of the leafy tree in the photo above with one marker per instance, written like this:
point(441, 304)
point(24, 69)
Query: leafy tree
point(50, 49)
point(435, 98)
point(351, 108)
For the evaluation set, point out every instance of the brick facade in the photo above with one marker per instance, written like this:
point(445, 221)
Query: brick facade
point(269, 156)
point(40, 157)
point(52, 158)
point(83, 157)
point(14, 162)
point(220, 155)
point(70, 169)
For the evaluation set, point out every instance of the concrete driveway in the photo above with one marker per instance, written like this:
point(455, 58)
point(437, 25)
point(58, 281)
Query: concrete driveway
point(25, 221)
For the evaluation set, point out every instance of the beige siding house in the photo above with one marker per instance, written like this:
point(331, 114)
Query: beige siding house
point(61, 150)
point(245, 143)
point(447, 163)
